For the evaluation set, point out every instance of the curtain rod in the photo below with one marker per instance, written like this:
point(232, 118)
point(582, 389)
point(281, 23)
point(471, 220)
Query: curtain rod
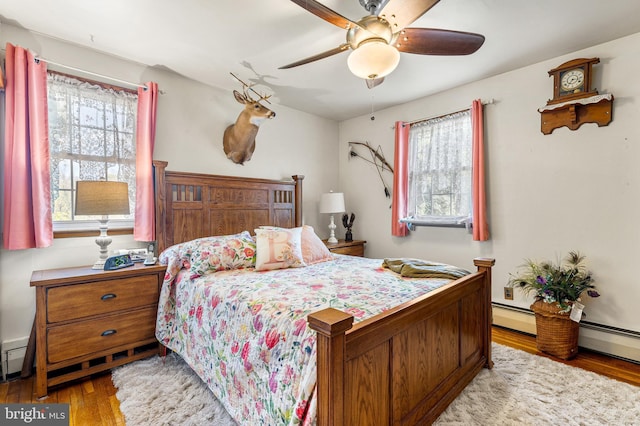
point(489, 102)
point(69, 67)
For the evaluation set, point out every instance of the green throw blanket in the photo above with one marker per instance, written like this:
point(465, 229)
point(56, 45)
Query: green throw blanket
point(416, 268)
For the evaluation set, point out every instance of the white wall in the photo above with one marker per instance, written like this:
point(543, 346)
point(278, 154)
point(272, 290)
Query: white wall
point(191, 120)
point(571, 190)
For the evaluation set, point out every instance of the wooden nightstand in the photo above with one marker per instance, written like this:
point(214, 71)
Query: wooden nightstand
point(353, 248)
point(90, 320)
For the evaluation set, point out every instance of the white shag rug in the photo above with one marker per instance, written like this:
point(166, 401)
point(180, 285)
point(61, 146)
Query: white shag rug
point(159, 391)
point(522, 389)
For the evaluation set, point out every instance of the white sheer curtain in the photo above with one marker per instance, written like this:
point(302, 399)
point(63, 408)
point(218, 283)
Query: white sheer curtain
point(440, 169)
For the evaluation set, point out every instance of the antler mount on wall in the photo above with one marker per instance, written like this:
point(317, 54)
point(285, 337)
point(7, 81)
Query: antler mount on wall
point(239, 139)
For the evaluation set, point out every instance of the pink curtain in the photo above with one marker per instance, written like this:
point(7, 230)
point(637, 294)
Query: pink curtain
point(145, 223)
point(27, 176)
point(480, 226)
point(400, 180)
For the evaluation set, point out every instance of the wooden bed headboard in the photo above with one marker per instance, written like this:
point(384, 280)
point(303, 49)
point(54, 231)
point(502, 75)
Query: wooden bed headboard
point(194, 205)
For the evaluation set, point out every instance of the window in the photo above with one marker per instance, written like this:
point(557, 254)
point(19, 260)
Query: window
point(92, 137)
point(439, 172)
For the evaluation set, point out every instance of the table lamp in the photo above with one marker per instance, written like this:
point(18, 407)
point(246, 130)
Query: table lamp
point(332, 202)
point(102, 198)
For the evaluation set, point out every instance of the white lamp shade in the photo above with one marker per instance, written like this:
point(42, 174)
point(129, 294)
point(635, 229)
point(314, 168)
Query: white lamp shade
point(373, 59)
point(332, 202)
point(102, 198)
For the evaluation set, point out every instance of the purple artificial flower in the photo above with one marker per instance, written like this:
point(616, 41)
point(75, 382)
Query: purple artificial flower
point(541, 280)
point(593, 293)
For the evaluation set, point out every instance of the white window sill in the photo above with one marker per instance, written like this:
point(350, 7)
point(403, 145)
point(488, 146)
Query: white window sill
point(90, 225)
point(437, 221)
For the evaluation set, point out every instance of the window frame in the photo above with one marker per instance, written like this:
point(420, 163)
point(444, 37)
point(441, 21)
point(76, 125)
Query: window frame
point(452, 221)
point(87, 227)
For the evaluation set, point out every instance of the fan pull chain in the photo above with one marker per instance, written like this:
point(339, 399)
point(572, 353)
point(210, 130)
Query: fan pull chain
point(373, 117)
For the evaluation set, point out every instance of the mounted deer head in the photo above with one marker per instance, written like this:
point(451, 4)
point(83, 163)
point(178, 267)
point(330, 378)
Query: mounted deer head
point(239, 139)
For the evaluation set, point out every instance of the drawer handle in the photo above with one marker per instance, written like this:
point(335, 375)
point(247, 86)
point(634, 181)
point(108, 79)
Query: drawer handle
point(108, 296)
point(108, 333)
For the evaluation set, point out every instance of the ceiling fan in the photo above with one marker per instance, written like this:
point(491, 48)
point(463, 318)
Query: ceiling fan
point(378, 38)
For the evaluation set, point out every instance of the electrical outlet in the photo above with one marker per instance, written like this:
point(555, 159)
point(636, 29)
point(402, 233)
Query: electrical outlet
point(508, 293)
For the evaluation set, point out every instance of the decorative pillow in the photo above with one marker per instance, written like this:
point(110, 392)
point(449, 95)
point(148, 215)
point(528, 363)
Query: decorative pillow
point(278, 248)
point(221, 253)
point(313, 249)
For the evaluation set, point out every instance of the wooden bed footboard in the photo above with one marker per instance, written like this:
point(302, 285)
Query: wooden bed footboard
point(406, 365)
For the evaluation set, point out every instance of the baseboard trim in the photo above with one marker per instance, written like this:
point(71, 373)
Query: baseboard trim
point(608, 340)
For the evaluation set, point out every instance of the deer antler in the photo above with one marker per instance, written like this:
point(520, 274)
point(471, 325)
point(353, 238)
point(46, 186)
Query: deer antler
point(247, 95)
point(246, 87)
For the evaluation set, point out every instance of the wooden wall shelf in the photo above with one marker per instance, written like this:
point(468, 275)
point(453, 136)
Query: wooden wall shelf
point(573, 114)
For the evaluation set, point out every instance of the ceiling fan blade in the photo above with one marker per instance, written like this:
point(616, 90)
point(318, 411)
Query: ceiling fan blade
point(400, 13)
point(325, 13)
point(373, 82)
point(341, 48)
point(432, 41)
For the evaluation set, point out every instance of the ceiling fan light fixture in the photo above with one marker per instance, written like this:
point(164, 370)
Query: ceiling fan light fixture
point(373, 59)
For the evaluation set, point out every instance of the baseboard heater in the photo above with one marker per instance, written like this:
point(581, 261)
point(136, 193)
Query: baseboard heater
point(609, 340)
point(12, 353)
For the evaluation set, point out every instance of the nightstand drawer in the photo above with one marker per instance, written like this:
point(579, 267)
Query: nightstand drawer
point(351, 248)
point(352, 251)
point(86, 337)
point(78, 301)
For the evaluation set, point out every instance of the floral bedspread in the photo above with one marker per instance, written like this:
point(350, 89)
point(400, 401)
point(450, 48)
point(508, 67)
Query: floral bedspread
point(245, 333)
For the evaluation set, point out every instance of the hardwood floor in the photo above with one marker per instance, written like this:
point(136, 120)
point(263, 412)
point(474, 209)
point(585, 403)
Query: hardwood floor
point(93, 401)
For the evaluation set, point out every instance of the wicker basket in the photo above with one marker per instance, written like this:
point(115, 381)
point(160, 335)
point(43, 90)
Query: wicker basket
point(557, 334)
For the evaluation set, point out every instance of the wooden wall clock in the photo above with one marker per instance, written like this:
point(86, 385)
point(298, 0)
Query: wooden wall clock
point(572, 80)
point(574, 102)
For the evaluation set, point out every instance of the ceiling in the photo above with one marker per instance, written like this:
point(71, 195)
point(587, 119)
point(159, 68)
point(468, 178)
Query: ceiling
point(207, 39)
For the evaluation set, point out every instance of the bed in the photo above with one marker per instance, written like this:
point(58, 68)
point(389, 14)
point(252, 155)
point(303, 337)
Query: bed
point(368, 364)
